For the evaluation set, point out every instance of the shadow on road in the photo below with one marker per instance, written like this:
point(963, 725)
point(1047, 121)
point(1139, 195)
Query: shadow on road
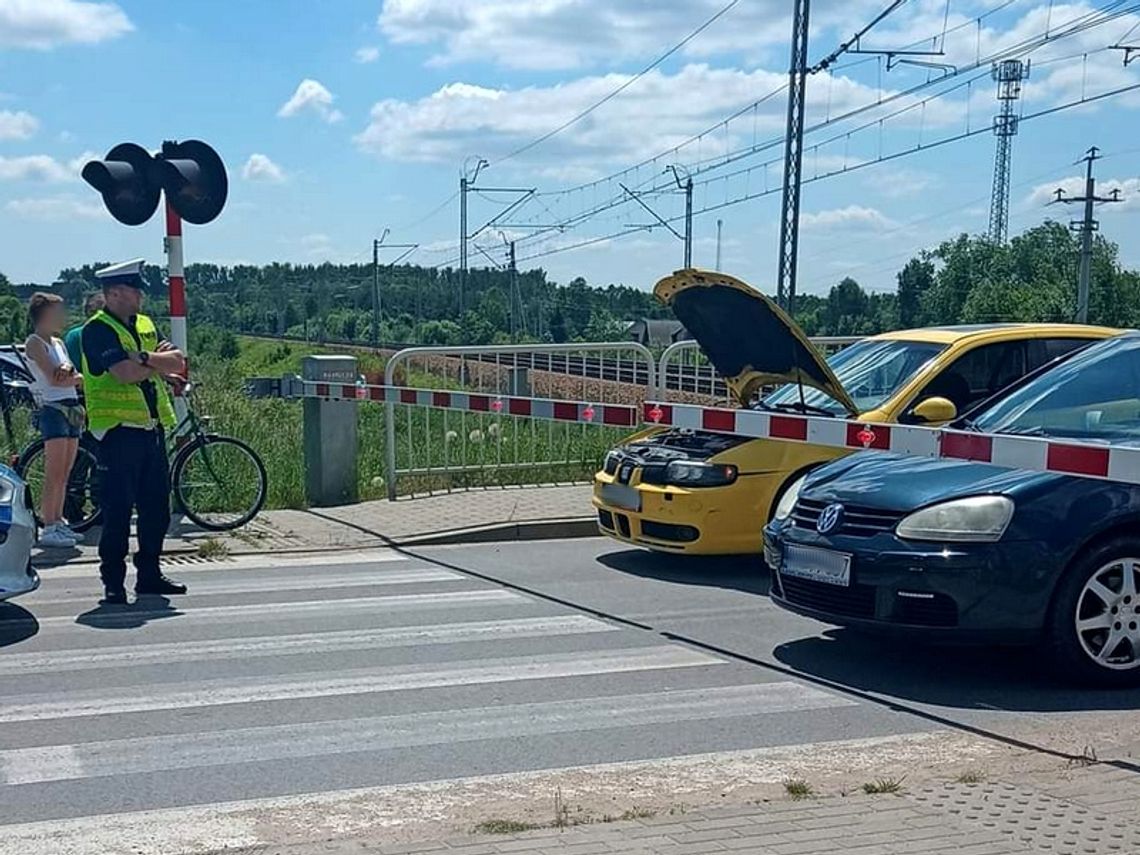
point(139, 613)
point(16, 624)
point(739, 572)
point(959, 677)
point(964, 677)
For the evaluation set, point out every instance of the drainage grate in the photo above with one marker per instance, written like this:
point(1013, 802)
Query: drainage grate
point(1037, 821)
point(190, 558)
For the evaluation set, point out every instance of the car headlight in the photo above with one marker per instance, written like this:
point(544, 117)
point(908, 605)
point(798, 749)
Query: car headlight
point(788, 501)
point(694, 473)
point(979, 519)
point(7, 491)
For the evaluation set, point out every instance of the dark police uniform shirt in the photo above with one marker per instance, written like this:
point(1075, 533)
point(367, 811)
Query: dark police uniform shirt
point(103, 349)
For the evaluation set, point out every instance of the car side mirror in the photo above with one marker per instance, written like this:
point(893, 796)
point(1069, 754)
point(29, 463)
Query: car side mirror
point(933, 411)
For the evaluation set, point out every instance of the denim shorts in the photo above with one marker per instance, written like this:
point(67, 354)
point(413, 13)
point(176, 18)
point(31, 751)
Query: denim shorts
point(54, 424)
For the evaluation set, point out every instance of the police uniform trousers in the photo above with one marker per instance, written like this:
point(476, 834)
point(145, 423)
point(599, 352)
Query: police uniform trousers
point(134, 475)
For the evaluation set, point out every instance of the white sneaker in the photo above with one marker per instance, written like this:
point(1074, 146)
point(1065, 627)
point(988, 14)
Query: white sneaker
point(66, 529)
point(55, 538)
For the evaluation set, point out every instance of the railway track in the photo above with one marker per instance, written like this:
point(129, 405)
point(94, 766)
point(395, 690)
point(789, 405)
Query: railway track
point(692, 378)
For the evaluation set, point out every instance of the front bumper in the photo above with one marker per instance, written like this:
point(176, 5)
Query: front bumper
point(985, 593)
point(699, 521)
point(17, 536)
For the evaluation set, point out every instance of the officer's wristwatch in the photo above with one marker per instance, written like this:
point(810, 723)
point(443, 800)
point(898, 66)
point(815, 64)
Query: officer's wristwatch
point(144, 358)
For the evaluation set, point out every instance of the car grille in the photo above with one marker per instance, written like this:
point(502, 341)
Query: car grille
point(923, 609)
point(852, 601)
point(606, 520)
point(857, 521)
point(668, 531)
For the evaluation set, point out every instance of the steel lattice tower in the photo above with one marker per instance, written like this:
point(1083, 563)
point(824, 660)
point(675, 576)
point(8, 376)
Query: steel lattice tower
point(1009, 74)
point(793, 158)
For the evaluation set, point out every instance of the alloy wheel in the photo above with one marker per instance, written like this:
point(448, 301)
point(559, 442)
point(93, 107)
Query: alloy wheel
point(1107, 617)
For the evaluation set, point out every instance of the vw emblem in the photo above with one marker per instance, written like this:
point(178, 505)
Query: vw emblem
point(830, 519)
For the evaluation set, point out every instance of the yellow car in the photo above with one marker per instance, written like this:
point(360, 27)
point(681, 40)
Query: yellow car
point(687, 491)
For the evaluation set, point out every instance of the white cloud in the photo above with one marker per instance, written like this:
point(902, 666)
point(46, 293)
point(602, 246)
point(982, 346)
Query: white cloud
point(559, 34)
point(851, 217)
point(662, 110)
point(45, 24)
point(34, 167)
point(367, 54)
point(55, 208)
point(260, 168)
point(311, 96)
point(17, 125)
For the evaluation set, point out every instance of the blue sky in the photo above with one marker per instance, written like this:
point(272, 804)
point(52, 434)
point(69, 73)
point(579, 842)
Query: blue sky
point(340, 119)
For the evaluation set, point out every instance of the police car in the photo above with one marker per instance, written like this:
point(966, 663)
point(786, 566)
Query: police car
point(17, 535)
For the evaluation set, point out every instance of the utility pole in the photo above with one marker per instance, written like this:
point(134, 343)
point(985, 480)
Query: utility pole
point(1008, 73)
point(376, 290)
point(1085, 227)
point(686, 187)
point(514, 288)
point(377, 306)
point(462, 240)
point(798, 72)
point(793, 158)
point(719, 225)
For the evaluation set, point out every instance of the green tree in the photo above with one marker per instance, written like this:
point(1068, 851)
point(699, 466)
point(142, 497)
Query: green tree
point(914, 281)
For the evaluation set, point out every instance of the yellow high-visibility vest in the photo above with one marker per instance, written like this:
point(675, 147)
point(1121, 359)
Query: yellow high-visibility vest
point(110, 402)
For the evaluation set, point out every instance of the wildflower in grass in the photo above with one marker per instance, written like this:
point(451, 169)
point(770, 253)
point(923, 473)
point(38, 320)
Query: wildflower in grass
point(450, 437)
point(475, 435)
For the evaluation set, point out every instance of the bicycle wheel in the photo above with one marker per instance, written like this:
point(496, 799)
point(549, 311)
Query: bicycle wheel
point(219, 482)
point(81, 501)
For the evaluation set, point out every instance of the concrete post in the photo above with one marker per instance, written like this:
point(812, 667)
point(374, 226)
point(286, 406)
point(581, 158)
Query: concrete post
point(518, 382)
point(330, 434)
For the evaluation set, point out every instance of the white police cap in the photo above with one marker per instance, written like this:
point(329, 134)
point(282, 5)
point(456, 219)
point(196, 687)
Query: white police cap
point(123, 273)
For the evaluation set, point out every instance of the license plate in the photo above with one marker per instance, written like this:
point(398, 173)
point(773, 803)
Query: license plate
point(817, 565)
point(621, 496)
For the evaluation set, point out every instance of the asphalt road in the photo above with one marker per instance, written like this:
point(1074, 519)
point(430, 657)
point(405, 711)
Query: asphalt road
point(278, 678)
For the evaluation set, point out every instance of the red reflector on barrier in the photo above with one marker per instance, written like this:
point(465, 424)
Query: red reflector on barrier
point(1077, 460)
point(788, 427)
point(617, 416)
point(966, 447)
point(721, 420)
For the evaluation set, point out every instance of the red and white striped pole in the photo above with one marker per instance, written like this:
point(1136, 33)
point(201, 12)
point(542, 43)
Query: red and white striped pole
point(176, 275)
point(176, 279)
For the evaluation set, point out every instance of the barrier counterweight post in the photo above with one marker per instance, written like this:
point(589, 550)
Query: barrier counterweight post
point(175, 275)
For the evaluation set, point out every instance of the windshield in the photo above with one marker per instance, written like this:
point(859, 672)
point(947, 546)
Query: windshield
point(1095, 395)
point(870, 372)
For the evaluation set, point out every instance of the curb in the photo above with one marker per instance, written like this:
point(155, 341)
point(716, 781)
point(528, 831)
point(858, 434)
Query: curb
point(564, 529)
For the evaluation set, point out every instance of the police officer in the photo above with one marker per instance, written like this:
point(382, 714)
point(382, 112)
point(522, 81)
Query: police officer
point(128, 409)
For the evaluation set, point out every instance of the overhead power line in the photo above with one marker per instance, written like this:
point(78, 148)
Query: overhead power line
point(859, 166)
point(615, 92)
point(1068, 29)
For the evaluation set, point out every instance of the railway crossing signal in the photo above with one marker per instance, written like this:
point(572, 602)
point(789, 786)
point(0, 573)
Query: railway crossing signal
point(131, 181)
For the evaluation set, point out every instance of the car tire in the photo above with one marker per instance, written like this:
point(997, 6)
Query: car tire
point(1081, 597)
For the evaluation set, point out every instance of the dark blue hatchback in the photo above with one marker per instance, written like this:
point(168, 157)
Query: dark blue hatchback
point(968, 551)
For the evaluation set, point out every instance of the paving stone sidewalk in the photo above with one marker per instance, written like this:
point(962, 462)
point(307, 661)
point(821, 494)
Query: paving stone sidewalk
point(1094, 810)
point(494, 514)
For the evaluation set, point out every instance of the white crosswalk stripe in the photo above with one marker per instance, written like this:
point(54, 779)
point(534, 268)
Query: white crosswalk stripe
point(265, 683)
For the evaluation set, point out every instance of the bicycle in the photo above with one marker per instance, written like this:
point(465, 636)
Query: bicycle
point(217, 481)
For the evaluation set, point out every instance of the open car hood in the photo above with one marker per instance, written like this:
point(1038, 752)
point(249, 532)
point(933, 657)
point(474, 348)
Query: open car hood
point(750, 340)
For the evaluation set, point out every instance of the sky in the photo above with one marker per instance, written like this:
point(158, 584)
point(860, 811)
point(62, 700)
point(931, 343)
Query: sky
point(347, 120)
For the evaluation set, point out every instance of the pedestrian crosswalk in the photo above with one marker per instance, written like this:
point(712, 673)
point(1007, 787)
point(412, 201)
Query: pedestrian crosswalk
point(287, 678)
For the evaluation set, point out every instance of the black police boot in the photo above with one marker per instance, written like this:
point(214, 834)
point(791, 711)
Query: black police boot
point(159, 585)
point(114, 597)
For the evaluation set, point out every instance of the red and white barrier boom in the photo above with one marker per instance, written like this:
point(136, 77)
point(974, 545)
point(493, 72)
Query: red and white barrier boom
point(1088, 459)
point(1094, 460)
